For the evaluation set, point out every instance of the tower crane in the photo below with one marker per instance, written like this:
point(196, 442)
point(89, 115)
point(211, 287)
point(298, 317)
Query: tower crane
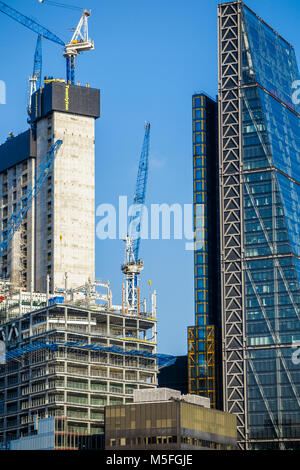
point(133, 266)
point(26, 200)
point(80, 41)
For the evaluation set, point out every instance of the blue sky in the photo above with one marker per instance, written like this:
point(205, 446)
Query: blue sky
point(149, 58)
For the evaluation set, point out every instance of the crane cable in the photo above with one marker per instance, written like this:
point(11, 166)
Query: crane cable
point(62, 5)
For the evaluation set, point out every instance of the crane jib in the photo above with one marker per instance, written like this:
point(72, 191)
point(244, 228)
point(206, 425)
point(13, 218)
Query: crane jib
point(140, 190)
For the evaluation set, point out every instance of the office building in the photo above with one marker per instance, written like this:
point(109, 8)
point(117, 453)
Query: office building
point(204, 352)
point(163, 419)
point(259, 181)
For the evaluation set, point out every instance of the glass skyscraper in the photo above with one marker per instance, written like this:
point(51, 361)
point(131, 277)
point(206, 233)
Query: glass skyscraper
point(204, 352)
point(259, 186)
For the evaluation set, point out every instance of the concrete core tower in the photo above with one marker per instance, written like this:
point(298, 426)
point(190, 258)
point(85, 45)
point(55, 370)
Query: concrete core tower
point(63, 217)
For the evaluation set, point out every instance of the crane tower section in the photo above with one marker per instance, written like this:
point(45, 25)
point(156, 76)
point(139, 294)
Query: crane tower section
point(133, 266)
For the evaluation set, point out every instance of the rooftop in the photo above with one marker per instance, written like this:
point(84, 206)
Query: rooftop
point(168, 394)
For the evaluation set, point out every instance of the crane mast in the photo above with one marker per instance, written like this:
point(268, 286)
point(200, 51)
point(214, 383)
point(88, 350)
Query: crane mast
point(35, 80)
point(133, 266)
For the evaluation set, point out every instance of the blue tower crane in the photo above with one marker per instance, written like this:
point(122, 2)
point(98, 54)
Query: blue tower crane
point(133, 266)
point(80, 41)
point(37, 63)
point(26, 200)
point(36, 79)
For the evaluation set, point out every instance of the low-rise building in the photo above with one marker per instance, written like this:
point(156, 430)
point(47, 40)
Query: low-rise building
point(163, 419)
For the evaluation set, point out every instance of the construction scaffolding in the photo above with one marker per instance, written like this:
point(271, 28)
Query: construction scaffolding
point(163, 360)
point(15, 302)
point(87, 295)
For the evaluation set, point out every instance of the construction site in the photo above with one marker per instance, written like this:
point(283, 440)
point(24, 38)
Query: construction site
point(69, 350)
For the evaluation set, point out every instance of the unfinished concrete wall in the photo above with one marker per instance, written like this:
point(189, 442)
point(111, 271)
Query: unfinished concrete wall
point(18, 262)
point(65, 208)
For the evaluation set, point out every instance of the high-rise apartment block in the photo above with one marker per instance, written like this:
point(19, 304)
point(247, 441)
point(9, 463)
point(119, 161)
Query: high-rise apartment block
point(58, 235)
point(259, 242)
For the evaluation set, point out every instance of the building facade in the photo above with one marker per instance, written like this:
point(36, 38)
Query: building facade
point(259, 181)
point(175, 375)
point(68, 362)
point(204, 352)
point(17, 175)
point(42, 438)
point(163, 419)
